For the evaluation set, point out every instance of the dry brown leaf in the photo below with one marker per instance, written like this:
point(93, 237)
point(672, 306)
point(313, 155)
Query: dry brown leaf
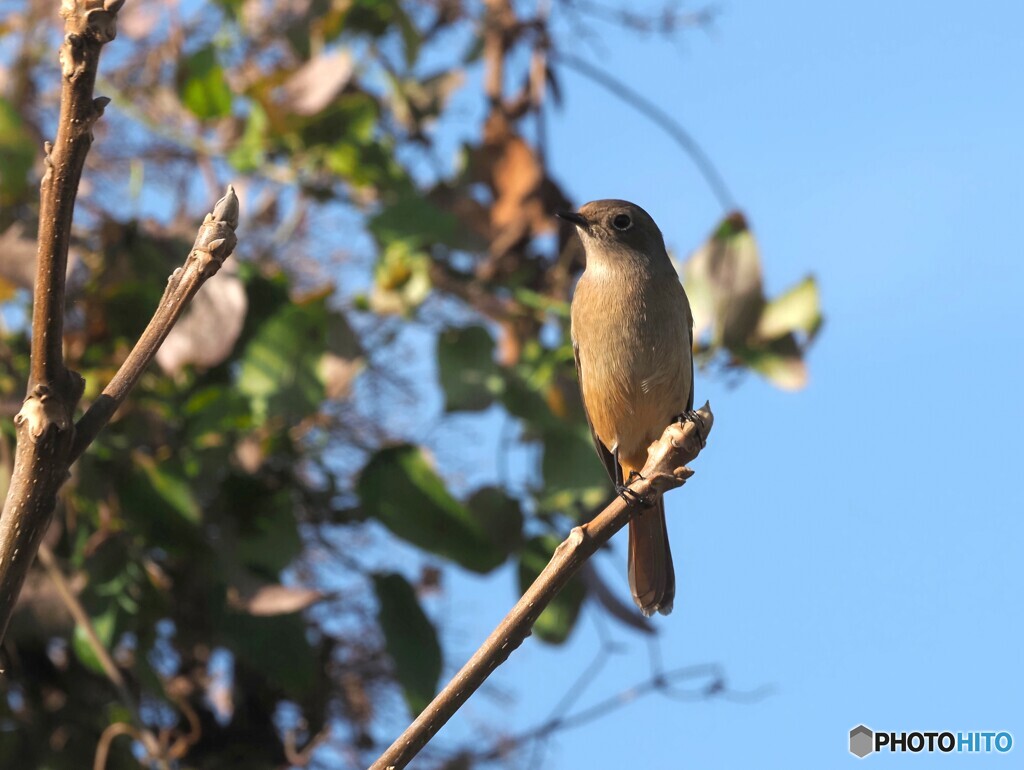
point(275, 599)
point(220, 306)
point(338, 373)
point(18, 256)
point(316, 83)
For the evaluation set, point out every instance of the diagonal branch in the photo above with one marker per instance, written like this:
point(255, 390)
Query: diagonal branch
point(214, 243)
point(665, 469)
point(110, 669)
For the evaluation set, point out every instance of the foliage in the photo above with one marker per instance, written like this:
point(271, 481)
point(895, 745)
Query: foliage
point(210, 532)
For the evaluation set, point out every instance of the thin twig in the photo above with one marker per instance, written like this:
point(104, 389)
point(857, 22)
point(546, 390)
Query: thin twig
point(81, 617)
point(667, 21)
point(110, 669)
point(658, 116)
point(214, 243)
point(713, 687)
point(300, 757)
point(665, 469)
point(107, 738)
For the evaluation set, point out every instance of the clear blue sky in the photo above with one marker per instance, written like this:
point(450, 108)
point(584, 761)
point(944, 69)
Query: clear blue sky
point(857, 545)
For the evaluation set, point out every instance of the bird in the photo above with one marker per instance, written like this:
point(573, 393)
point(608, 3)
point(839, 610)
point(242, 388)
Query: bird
point(632, 338)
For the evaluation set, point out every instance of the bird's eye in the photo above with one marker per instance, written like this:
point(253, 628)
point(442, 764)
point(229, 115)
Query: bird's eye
point(622, 222)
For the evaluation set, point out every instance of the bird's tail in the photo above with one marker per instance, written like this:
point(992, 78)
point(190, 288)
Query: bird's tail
point(651, 575)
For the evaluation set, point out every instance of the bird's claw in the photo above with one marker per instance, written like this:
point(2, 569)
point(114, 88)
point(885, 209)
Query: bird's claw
point(629, 495)
point(692, 415)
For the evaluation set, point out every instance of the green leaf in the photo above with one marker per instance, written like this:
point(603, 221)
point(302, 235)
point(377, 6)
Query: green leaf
point(537, 301)
point(410, 639)
point(250, 151)
point(400, 489)
point(267, 537)
point(276, 646)
point(172, 487)
point(725, 277)
point(370, 16)
point(797, 309)
point(558, 619)
point(270, 542)
point(401, 280)
point(779, 361)
point(17, 154)
point(465, 365)
point(365, 164)
point(104, 625)
point(573, 474)
point(280, 372)
point(352, 117)
point(415, 221)
point(500, 516)
point(156, 498)
point(213, 413)
point(522, 400)
point(202, 86)
point(411, 39)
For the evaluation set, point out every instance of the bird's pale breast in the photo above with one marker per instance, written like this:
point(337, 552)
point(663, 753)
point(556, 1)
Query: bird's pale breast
point(634, 351)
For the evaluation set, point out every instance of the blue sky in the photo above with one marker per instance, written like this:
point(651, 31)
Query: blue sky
point(856, 546)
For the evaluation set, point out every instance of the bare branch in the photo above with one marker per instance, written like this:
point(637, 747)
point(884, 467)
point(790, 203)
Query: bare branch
point(710, 684)
point(110, 669)
point(667, 20)
point(47, 444)
point(214, 243)
point(664, 470)
point(44, 424)
point(88, 26)
point(107, 738)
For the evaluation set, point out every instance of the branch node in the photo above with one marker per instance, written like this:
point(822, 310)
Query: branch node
point(40, 412)
point(71, 60)
point(102, 23)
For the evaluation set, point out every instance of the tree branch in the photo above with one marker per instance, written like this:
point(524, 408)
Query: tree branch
point(664, 470)
point(709, 675)
point(110, 669)
point(659, 117)
point(214, 243)
point(88, 26)
point(44, 424)
point(48, 443)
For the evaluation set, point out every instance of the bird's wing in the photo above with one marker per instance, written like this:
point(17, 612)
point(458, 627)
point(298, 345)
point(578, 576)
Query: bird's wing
point(607, 458)
point(689, 337)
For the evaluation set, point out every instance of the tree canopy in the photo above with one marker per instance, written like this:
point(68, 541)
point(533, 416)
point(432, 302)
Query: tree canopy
point(397, 236)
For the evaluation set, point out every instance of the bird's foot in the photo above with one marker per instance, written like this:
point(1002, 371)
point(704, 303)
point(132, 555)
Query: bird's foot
point(629, 495)
point(693, 415)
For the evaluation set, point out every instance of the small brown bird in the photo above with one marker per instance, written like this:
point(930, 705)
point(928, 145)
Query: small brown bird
point(632, 333)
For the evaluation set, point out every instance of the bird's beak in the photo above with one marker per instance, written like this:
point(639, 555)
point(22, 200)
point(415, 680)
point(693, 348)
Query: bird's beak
point(576, 218)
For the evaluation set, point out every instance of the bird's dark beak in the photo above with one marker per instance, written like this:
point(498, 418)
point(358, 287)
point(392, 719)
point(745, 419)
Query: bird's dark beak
point(577, 219)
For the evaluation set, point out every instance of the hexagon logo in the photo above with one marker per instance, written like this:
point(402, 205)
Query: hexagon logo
point(862, 741)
